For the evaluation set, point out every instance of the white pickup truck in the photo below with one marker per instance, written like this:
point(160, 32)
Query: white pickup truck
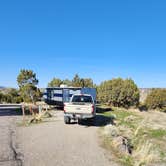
point(81, 106)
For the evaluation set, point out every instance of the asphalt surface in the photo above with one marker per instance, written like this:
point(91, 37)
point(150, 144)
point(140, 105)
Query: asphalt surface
point(56, 144)
point(9, 155)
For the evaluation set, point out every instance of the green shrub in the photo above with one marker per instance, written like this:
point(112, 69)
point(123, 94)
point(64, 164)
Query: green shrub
point(12, 96)
point(119, 93)
point(2, 97)
point(156, 99)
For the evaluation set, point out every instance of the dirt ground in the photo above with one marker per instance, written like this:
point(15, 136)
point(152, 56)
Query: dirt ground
point(55, 143)
point(153, 119)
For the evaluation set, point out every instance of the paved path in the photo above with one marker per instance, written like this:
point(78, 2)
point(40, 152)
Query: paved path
point(57, 144)
point(8, 152)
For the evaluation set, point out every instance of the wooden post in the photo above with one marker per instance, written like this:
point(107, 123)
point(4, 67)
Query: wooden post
point(40, 109)
point(31, 110)
point(23, 113)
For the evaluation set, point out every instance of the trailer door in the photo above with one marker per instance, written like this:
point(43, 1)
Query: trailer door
point(66, 95)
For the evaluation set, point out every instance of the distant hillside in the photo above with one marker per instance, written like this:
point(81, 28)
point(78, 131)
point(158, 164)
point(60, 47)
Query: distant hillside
point(144, 93)
point(2, 87)
point(5, 90)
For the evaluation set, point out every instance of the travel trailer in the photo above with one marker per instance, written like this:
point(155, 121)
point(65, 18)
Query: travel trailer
point(60, 95)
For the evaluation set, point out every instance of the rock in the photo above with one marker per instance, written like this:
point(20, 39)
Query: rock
point(122, 145)
point(111, 130)
point(118, 144)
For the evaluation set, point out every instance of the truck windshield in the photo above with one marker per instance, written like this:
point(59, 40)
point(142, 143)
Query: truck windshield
point(82, 99)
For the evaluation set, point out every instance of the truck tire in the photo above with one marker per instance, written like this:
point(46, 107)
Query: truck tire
point(67, 120)
point(79, 121)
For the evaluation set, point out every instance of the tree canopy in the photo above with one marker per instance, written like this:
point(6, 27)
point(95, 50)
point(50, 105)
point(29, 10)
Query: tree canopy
point(55, 82)
point(27, 83)
point(75, 82)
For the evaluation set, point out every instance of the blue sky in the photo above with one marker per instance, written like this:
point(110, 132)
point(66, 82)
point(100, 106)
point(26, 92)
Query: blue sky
point(101, 39)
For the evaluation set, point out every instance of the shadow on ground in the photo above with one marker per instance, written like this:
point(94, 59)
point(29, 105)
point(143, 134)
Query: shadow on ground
point(143, 108)
point(103, 109)
point(10, 112)
point(99, 121)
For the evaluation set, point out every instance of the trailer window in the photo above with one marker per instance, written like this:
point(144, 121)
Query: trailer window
point(82, 99)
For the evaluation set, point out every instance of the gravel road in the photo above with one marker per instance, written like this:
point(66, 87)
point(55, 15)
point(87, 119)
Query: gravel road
point(57, 144)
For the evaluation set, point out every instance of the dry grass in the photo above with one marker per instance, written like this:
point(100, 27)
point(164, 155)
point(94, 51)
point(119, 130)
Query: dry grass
point(147, 132)
point(145, 154)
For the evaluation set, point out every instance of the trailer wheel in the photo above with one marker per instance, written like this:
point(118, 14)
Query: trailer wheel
point(67, 120)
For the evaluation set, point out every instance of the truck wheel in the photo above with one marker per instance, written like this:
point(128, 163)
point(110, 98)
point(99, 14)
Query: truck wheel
point(79, 121)
point(67, 120)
